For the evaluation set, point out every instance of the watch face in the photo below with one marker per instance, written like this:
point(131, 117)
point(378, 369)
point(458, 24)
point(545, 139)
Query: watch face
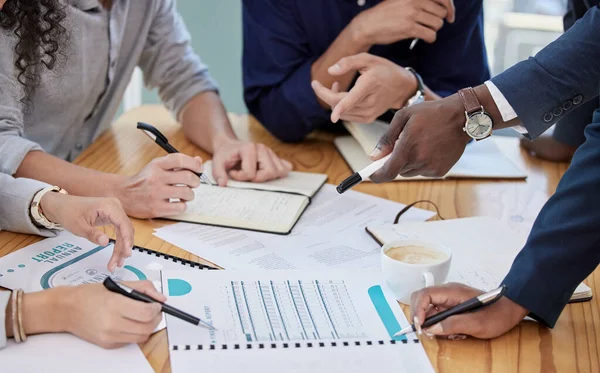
point(479, 125)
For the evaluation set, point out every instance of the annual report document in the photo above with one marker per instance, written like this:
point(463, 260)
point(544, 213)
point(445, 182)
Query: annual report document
point(273, 206)
point(289, 321)
point(68, 260)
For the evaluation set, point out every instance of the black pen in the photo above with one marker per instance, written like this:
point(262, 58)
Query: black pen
point(161, 140)
point(469, 306)
point(118, 288)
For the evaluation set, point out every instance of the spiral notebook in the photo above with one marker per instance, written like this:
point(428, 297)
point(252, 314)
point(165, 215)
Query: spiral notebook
point(289, 321)
point(68, 260)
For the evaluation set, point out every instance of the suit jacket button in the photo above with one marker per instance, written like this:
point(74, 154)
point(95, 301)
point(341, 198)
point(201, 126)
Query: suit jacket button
point(567, 105)
point(548, 117)
point(557, 111)
point(577, 99)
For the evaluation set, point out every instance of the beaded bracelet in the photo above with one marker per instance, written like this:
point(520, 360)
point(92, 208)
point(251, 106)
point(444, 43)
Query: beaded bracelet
point(20, 315)
point(15, 321)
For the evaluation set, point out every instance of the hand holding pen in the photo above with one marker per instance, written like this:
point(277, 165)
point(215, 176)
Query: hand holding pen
point(392, 21)
point(154, 298)
point(161, 140)
point(148, 194)
point(458, 310)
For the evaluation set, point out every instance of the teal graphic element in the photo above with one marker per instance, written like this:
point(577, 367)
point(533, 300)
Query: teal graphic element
point(10, 270)
point(178, 287)
point(137, 272)
point(385, 312)
point(21, 265)
point(44, 282)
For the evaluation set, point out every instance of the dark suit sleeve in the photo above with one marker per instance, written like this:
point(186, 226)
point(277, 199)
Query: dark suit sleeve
point(458, 58)
point(558, 79)
point(277, 71)
point(564, 245)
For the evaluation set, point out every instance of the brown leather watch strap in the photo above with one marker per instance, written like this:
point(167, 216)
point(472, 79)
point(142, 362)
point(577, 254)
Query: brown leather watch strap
point(470, 100)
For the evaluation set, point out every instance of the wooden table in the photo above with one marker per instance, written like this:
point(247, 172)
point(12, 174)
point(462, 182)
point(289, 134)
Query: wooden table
point(574, 344)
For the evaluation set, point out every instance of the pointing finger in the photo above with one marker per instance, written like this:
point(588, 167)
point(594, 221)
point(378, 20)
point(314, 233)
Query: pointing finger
point(361, 89)
point(327, 95)
point(123, 230)
point(352, 63)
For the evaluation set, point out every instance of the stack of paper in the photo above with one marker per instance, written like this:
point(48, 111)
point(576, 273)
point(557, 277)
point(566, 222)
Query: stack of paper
point(330, 234)
point(64, 353)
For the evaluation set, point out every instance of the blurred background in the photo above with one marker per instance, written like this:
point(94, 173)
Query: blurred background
point(514, 30)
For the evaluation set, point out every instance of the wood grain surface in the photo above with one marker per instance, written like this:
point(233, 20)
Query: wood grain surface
point(572, 346)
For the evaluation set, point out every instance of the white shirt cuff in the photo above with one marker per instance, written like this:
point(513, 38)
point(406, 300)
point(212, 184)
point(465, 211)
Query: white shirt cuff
point(506, 110)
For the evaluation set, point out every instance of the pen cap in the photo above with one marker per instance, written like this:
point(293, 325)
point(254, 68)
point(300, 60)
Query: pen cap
point(111, 285)
point(349, 183)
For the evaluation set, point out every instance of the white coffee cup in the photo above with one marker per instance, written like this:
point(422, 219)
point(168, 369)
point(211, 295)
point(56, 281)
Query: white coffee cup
point(405, 278)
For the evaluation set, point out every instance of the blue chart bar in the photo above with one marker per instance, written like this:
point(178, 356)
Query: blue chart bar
point(385, 312)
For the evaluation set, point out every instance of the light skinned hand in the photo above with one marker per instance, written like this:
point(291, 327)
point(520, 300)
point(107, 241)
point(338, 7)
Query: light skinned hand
point(247, 161)
point(425, 139)
point(382, 85)
point(147, 194)
point(489, 322)
point(112, 320)
point(393, 20)
point(81, 216)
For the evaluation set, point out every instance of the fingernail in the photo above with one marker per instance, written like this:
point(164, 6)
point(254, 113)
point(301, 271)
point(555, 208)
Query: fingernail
point(313, 84)
point(457, 337)
point(221, 181)
point(417, 325)
point(437, 329)
point(375, 153)
point(335, 68)
point(121, 262)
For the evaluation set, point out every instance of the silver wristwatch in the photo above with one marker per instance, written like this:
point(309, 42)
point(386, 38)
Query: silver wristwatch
point(420, 94)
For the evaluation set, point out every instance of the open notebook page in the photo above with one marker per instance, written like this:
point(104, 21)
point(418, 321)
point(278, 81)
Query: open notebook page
point(244, 208)
point(304, 183)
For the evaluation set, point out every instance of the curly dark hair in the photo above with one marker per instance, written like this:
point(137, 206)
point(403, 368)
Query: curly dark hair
point(37, 26)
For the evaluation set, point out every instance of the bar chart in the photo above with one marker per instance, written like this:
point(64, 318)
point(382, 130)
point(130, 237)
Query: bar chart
point(293, 310)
